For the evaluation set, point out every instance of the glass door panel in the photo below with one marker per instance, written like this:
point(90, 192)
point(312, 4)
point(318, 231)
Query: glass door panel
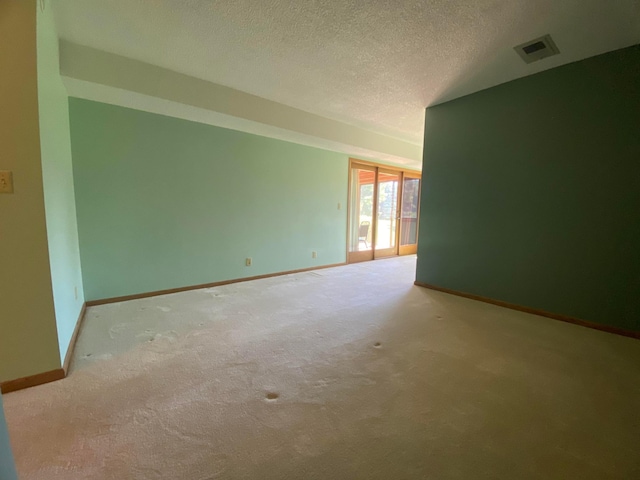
point(386, 227)
point(382, 211)
point(409, 215)
point(361, 212)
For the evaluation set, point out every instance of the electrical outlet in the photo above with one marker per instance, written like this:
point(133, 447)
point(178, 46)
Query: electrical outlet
point(248, 261)
point(75, 292)
point(339, 206)
point(314, 254)
point(6, 181)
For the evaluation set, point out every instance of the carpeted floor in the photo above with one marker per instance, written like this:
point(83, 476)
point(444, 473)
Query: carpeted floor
point(345, 373)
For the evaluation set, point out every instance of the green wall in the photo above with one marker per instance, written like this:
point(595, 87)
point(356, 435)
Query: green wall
point(531, 191)
point(164, 202)
point(57, 177)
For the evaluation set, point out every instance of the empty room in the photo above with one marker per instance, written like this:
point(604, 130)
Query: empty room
point(319, 239)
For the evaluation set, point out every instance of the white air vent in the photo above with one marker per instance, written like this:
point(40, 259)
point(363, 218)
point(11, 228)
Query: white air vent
point(537, 49)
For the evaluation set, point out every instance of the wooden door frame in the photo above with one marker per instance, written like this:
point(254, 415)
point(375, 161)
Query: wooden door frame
point(412, 248)
point(365, 255)
point(390, 251)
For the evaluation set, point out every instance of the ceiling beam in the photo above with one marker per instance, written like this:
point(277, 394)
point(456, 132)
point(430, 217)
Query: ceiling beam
point(101, 76)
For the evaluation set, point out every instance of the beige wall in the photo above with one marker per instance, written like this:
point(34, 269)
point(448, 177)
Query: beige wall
point(28, 339)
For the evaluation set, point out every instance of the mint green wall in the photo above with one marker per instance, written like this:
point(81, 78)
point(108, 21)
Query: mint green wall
point(164, 202)
point(7, 467)
point(57, 176)
point(531, 192)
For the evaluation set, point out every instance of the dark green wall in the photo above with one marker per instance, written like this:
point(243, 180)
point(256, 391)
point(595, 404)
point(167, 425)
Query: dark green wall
point(7, 467)
point(531, 192)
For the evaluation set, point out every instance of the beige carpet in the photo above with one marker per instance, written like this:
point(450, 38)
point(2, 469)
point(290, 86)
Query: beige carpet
point(345, 373)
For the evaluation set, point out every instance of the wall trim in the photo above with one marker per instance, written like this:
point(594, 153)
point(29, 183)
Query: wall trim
point(32, 380)
point(534, 311)
point(124, 298)
point(51, 375)
point(74, 338)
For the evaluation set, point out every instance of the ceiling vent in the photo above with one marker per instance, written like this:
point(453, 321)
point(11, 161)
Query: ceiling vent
point(537, 49)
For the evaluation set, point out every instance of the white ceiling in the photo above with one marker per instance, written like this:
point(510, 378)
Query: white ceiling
point(374, 64)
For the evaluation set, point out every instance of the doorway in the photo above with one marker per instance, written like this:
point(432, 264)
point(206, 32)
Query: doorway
point(383, 211)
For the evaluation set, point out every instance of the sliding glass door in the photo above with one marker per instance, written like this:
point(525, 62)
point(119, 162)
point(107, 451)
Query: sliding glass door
point(361, 212)
point(409, 214)
point(383, 218)
point(388, 191)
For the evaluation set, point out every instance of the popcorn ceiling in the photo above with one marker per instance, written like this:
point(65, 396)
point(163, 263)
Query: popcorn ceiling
point(374, 64)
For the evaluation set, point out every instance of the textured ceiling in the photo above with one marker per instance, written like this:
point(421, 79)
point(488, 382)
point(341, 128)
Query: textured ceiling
point(375, 64)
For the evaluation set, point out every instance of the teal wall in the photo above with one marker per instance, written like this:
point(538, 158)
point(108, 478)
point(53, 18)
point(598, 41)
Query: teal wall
point(7, 467)
point(531, 192)
point(57, 177)
point(164, 202)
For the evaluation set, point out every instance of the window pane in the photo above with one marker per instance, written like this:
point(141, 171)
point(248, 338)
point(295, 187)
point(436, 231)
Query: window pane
point(361, 209)
point(409, 216)
point(387, 210)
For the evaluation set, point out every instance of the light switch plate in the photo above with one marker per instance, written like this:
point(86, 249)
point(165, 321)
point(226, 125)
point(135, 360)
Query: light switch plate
point(6, 181)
